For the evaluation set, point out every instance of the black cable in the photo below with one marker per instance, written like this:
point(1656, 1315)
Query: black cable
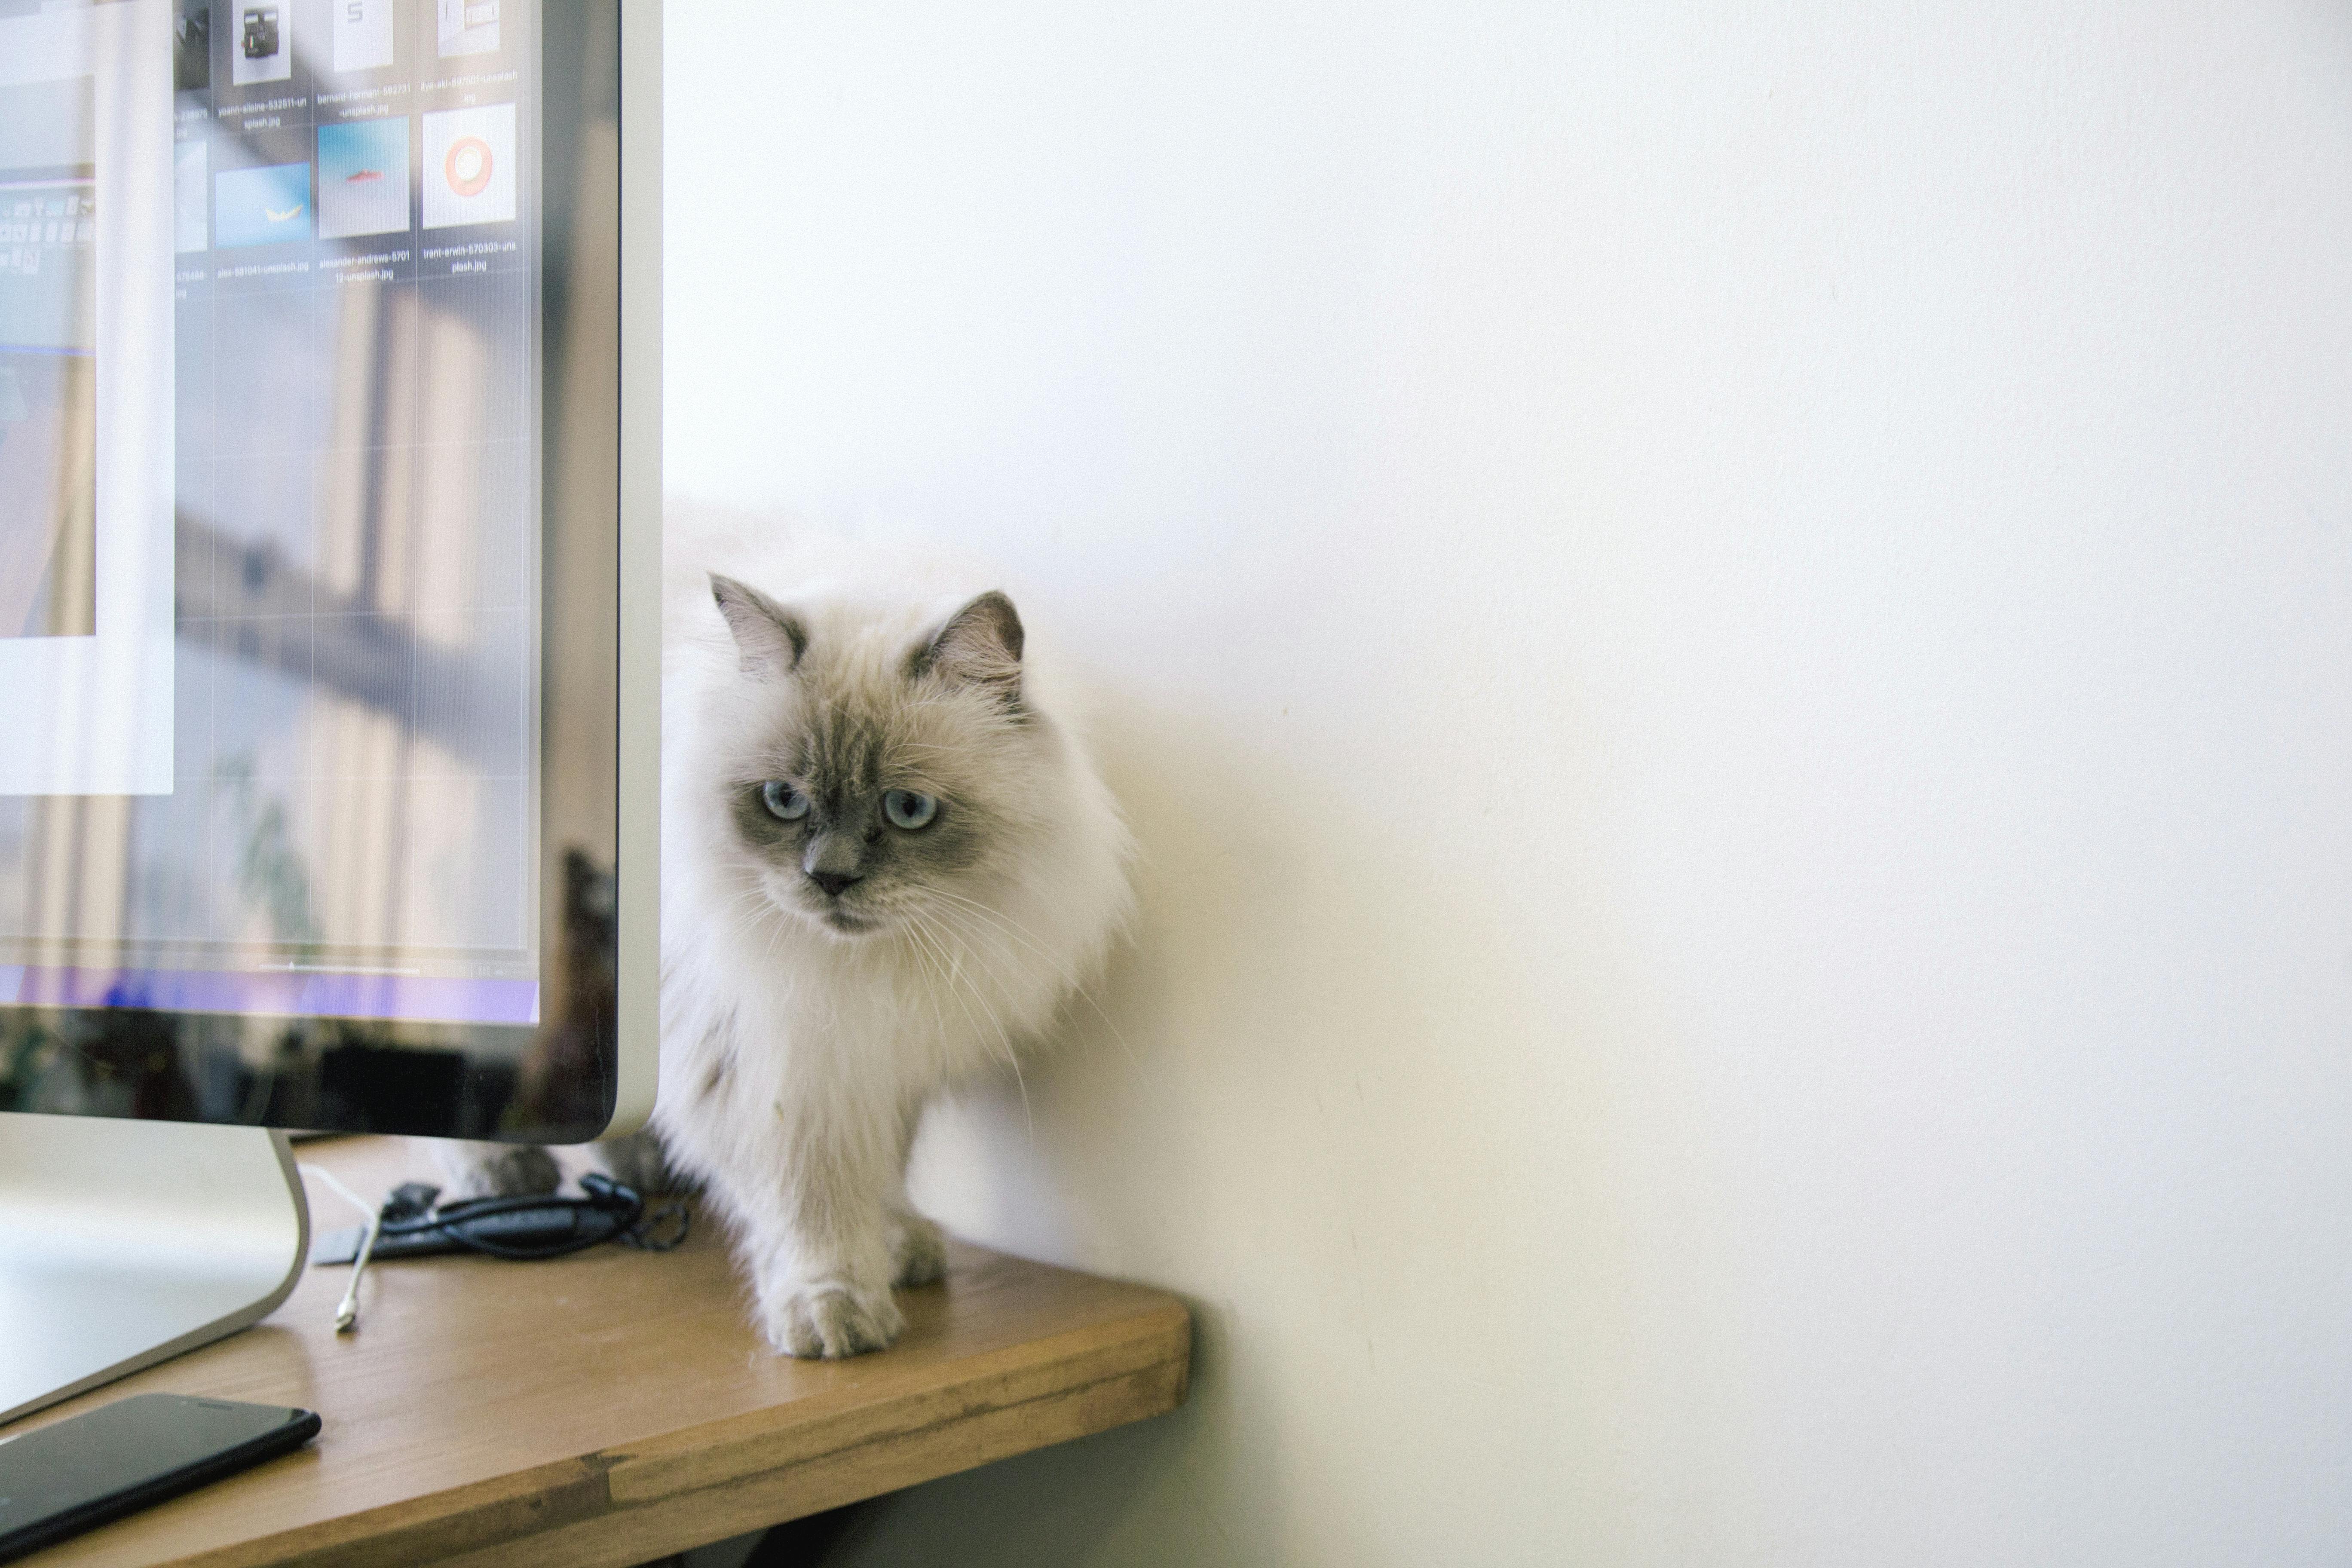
point(619, 1212)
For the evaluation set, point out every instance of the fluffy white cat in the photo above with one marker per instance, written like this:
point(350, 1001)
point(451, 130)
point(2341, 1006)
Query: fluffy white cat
point(888, 862)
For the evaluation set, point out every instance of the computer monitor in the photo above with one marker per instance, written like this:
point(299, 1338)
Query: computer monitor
point(329, 380)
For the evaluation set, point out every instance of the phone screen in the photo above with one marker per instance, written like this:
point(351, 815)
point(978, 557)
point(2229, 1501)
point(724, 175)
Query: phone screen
point(72, 1474)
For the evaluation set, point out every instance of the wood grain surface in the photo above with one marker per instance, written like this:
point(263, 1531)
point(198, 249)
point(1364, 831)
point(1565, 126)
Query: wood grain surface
point(611, 1408)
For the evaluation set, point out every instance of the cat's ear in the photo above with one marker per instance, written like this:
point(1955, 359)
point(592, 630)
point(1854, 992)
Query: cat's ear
point(768, 639)
point(980, 645)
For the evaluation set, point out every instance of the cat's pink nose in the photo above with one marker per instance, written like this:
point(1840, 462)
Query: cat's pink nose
point(834, 881)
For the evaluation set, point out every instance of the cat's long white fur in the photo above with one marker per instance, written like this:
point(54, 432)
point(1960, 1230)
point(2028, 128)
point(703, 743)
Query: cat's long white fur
point(795, 1062)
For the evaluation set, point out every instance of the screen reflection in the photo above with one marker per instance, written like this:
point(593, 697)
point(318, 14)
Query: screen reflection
point(395, 393)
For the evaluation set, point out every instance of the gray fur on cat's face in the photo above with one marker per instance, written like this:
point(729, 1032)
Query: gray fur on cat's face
point(885, 776)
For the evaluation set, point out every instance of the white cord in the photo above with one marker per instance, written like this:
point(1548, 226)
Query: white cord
point(347, 1312)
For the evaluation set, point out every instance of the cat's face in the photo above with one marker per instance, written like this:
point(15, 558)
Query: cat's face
point(882, 777)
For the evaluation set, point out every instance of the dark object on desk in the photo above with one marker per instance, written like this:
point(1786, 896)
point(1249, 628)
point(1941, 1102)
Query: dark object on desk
point(521, 1228)
point(77, 1474)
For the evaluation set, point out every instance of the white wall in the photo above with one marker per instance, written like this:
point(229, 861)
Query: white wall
point(1731, 636)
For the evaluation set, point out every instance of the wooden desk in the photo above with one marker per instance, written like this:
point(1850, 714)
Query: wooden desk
point(614, 1406)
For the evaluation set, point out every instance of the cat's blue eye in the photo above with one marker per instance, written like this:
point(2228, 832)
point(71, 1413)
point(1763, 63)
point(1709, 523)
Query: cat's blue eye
point(784, 802)
point(907, 809)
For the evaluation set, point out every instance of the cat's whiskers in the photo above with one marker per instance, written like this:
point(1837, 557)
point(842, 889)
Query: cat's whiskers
point(1006, 925)
point(1030, 939)
point(939, 1016)
point(954, 973)
point(752, 896)
point(935, 962)
point(984, 962)
point(1012, 1057)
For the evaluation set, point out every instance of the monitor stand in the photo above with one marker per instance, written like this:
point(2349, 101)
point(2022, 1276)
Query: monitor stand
point(124, 1243)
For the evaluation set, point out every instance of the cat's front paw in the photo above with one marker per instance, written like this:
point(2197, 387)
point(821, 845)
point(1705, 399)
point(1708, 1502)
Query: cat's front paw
point(919, 1253)
point(638, 1161)
point(826, 1323)
point(476, 1170)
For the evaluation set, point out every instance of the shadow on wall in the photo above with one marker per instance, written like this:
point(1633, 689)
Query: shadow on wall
point(1283, 1112)
point(1063, 1504)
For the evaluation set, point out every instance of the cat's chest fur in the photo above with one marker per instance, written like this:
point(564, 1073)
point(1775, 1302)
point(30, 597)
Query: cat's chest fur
point(762, 1028)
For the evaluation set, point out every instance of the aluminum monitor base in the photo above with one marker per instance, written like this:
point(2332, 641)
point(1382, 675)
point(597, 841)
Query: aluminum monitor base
point(124, 1243)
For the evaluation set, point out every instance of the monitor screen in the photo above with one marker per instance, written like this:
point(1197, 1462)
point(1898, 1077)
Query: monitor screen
point(306, 398)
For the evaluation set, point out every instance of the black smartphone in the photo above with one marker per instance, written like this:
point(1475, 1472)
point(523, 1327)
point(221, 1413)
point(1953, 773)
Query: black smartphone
point(68, 1475)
